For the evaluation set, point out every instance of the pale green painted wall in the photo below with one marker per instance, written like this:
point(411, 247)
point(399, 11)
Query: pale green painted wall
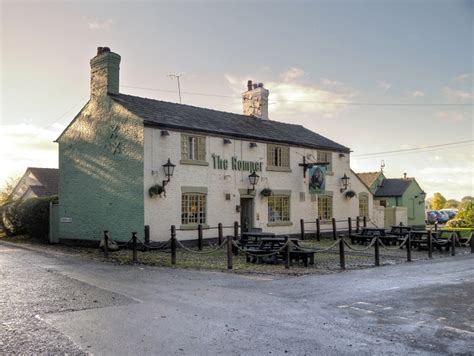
point(101, 173)
point(416, 211)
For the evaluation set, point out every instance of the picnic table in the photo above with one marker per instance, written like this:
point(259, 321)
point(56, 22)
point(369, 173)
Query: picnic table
point(267, 249)
point(457, 233)
point(400, 230)
point(368, 233)
point(252, 239)
point(419, 239)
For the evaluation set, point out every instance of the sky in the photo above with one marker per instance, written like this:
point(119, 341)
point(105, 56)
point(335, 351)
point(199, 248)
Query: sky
point(403, 69)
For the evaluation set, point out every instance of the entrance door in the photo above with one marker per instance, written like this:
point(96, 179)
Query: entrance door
point(246, 214)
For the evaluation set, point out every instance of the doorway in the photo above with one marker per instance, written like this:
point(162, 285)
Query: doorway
point(246, 214)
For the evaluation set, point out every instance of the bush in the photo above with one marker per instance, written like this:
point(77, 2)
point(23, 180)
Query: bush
point(456, 223)
point(34, 217)
point(11, 220)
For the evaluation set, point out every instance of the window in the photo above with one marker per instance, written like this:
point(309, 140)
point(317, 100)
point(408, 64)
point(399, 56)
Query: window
point(193, 148)
point(278, 157)
point(363, 205)
point(325, 207)
point(278, 208)
point(324, 156)
point(193, 208)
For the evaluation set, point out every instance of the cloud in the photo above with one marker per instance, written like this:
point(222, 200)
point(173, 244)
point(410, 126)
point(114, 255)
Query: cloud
point(452, 116)
point(24, 145)
point(462, 77)
point(287, 98)
point(384, 85)
point(417, 93)
point(457, 94)
point(292, 74)
point(100, 25)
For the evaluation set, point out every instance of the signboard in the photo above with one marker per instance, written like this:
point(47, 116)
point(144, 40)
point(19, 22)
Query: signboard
point(236, 164)
point(317, 179)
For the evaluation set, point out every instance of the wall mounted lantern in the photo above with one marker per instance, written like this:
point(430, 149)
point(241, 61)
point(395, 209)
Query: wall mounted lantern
point(422, 197)
point(168, 168)
point(253, 178)
point(345, 182)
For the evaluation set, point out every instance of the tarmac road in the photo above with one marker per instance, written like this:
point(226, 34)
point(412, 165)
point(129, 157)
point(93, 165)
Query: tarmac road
point(55, 303)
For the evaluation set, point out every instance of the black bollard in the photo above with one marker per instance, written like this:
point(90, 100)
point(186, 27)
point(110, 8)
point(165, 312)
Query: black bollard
point(220, 233)
point(173, 244)
point(430, 245)
point(409, 248)
point(229, 252)
point(134, 247)
point(349, 224)
point(318, 230)
point(200, 237)
point(106, 243)
point(236, 230)
point(357, 224)
point(365, 221)
point(472, 242)
point(334, 232)
point(453, 244)
point(287, 253)
point(377, 252)
point(302, 228)
point(147, 237)
point(342, 257)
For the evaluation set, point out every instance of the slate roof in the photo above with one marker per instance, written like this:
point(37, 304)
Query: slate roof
point(164, 115)
point(369, 178)
point(393, 187)
point(48, 177)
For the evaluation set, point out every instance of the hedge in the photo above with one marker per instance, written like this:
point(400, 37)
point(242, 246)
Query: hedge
point(30, 216)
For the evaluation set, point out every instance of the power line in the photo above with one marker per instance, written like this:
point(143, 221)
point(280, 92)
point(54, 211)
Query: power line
point(56, 121)
point(416, 149)
point(353, 103)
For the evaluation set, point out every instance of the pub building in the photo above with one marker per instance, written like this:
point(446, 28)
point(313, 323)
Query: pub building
point(126, 162)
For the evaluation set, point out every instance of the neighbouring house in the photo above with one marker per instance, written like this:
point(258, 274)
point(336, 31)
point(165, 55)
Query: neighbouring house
point(36, 182)
point(126, 162)
point(397, 192)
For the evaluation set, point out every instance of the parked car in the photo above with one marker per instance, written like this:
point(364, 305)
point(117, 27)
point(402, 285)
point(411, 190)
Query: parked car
point(444, 217)
point(451, 212)
point(435, 216)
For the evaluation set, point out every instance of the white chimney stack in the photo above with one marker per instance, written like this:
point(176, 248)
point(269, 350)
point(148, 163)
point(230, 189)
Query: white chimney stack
point(255, 101)
point(105, 70)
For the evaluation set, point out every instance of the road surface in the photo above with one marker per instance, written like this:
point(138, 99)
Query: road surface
point(57, 303)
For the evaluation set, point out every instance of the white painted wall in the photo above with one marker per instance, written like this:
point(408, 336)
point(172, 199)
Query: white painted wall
point(162, 212)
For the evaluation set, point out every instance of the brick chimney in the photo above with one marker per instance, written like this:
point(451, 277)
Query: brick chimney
point(255, 101)
point(105, 70)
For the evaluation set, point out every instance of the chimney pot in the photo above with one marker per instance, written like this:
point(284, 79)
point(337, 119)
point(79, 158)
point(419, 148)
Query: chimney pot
point(404, 176)
point(249, 85)
point(105, 67)
point(260, 85)
point(101, 50)
point(255, 85)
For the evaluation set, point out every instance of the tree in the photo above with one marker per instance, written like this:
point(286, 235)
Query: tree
point(452, 204)
point(438, 201)
point(7, 189)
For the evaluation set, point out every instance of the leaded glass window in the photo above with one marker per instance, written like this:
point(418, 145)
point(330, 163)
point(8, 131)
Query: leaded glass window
point(193, 208)
point(193, 147)
point(363, 205)
point(278, 156)
point(278, 208)
point(325, 207)
point(324, 156)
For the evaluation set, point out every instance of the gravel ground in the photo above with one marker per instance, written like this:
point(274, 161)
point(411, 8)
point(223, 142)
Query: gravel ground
point(29, 292)
point(212, 258)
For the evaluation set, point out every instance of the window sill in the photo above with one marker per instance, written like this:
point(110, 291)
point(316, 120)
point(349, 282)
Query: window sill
point(192, 226)
point(280, 223)
point(194, 162)
point(279, 169)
